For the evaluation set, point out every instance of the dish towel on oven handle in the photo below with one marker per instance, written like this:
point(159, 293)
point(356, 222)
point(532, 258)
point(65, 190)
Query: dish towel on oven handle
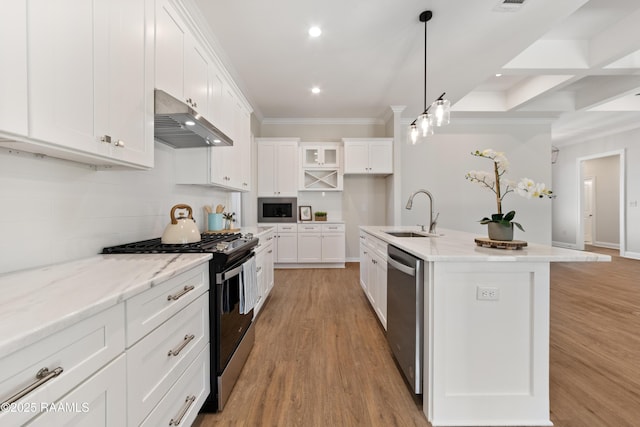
point(248, 286)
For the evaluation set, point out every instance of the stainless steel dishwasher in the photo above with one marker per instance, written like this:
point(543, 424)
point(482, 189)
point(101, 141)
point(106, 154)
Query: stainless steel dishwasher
point(405, 313)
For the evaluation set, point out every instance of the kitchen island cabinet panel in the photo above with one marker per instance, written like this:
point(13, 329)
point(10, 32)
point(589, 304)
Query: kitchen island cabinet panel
point(373, 274)
point(486, 326)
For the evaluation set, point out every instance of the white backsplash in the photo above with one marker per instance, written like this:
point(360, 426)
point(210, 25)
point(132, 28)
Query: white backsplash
point(53, 210)
point(324, 201)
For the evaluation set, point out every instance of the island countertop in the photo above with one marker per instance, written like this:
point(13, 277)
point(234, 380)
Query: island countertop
point(456, 246)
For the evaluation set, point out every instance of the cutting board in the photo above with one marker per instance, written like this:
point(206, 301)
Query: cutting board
point(231, 230)
point(485, 242)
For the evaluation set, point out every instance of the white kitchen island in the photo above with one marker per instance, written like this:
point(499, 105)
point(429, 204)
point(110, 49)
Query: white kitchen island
point(486, 361)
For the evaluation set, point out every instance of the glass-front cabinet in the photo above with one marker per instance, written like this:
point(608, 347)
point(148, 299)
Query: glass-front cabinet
point(320, 156)
point(321, 166)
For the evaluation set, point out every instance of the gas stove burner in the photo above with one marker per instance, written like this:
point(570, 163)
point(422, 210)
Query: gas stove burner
point(208, 243)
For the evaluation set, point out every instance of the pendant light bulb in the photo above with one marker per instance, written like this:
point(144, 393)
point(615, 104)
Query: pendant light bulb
point(424, 125)
point(413, 134)
point(441, 109)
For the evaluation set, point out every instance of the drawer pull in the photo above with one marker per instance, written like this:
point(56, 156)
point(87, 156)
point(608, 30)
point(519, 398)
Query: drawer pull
point(187, 404)
point(176, 351)
point(181, 293)
point(42, 377)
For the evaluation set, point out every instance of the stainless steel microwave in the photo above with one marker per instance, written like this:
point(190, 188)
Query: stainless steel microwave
point(277, 209)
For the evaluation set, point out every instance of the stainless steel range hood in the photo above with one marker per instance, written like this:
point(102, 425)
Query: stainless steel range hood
point(180, 126)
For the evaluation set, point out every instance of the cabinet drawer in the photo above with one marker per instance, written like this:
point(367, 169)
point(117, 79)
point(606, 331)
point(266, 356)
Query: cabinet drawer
point(333, 228)
point(80, 350)
point(193, 384)
point(287, 228)
point(153, 369)
point(150, 309)
point(98, 402)
point(309, 228)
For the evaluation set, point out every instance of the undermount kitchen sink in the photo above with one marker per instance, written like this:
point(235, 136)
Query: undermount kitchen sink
point(406, 234)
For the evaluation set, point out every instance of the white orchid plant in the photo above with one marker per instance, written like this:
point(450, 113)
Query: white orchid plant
point(500, 186)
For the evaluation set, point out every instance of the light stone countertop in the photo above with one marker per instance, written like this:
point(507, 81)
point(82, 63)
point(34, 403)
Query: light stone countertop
point(38, 302)
point(458, 246)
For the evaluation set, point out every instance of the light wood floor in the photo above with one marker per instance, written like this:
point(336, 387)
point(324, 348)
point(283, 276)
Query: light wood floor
point(321, 358)
point(595, 343)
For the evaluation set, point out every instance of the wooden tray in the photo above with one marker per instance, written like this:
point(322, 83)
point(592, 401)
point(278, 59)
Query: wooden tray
point(485, 242)
point(231, 230)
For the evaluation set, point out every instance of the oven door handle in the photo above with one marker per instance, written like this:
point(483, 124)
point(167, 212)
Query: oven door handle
point(226, 275)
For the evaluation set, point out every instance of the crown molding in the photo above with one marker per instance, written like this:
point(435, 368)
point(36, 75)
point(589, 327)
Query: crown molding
point(322, 121)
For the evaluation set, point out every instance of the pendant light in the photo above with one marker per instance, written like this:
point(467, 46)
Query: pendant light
point(423, 125)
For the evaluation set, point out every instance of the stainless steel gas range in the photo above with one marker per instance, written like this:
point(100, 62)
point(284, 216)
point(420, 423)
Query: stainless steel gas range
point(231, 332)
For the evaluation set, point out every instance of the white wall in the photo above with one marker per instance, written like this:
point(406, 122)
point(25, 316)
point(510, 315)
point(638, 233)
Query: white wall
point(53, 211)
point(606, 171)
point(440, 165)
point(565, 177)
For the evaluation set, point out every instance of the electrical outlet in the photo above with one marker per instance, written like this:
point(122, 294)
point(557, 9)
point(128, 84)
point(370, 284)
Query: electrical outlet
point(487, 294)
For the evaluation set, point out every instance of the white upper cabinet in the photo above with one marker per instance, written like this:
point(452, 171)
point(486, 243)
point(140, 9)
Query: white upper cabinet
point(90, 80)
point(321, 168)
point(368, 155)
point(190, 72)
point(13, 78)
point(227, 167)
point(182, 65)
point(321, 156)
point(170, 36)
point(277, 167)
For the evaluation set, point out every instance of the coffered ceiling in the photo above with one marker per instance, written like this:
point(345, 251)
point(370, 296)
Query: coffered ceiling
point(574, 62)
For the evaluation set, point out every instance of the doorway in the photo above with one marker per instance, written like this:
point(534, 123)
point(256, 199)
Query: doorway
point(588, 210)
point(602, 174)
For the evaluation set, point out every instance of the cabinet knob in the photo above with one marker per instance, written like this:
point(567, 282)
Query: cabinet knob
point(119, 143)
point(106, 138)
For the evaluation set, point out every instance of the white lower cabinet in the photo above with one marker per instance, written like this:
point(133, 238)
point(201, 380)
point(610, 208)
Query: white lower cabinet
point(172, 320)
point(286, 243)
point(181, 404)
point(321, 243)
point(141, 362)
point(373, 274)
point(67, 358)
point(264, 268)
point(100, 401)
point(158, 360)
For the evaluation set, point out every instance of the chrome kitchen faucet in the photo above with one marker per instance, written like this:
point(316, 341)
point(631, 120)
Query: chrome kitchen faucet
point(432, 221)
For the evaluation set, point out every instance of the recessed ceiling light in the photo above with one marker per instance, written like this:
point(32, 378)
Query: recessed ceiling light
point(315, 31)
point(498, 74)
point(315, 90)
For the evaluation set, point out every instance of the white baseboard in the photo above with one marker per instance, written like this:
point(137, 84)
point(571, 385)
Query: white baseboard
point(352, 260)
point(309, 265)
point(606, 245)
point(632, 255)
point(564, 245)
